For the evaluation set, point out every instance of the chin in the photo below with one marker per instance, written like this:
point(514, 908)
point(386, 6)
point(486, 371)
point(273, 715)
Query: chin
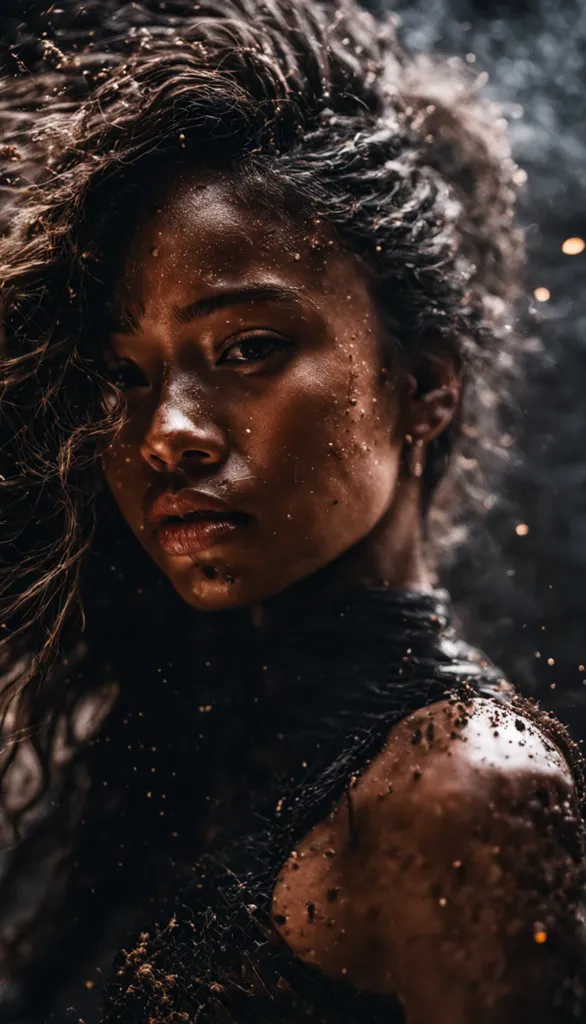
point(215, 586)
point(216, 582)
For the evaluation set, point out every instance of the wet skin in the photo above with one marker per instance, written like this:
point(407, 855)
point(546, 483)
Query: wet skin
point(284, 406)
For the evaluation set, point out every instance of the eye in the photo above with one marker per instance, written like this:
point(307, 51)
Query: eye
point(126, 375)
point(253, 349)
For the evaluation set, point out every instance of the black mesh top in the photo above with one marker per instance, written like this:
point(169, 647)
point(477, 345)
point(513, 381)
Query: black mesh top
point(342, 676)
point(214, 764)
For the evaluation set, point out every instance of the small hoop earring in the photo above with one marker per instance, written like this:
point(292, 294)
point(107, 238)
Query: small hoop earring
point(415, 456)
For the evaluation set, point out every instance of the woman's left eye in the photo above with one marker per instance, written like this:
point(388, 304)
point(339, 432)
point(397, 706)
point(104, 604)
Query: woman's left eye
point(252, 349)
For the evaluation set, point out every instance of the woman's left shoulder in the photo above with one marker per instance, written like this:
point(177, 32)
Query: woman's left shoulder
point(455, 860)
point(480, 751)
point(459, 782)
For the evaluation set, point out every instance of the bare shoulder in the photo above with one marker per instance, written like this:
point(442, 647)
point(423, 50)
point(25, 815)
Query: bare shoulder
point(445, 771)
point(449, 873)
point(469, 751)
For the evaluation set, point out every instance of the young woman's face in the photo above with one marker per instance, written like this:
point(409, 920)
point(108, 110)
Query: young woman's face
point(263, 436)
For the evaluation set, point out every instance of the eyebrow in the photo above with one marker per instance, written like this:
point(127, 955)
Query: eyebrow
point(123, 321)
point(257, 293)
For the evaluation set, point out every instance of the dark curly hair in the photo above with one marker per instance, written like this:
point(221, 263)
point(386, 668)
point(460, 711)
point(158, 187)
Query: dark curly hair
point(315, 105)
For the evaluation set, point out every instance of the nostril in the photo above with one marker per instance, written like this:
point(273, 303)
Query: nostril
point(194, 453)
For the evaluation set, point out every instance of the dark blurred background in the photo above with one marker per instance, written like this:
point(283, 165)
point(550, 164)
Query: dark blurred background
point(520, 585)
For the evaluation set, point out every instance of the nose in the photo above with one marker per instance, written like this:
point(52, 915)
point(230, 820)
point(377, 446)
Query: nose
point(181, 438)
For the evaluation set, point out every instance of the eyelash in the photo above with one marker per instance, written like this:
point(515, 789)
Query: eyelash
point(275, 344)
point(126, 374)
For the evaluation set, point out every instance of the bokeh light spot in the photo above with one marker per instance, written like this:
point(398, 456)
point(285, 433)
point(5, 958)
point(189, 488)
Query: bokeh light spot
point(573, 246)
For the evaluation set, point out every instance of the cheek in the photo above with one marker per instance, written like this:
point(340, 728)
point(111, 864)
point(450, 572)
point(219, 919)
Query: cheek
point(327, 452)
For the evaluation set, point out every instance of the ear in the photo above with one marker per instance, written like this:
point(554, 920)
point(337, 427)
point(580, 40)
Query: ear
point(434, 388)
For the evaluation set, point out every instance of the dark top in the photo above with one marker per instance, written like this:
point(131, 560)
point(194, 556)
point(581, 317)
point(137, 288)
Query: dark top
point(345, 675)
point(225, 776)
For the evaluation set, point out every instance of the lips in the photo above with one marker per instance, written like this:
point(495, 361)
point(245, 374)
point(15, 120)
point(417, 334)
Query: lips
point(188, 521)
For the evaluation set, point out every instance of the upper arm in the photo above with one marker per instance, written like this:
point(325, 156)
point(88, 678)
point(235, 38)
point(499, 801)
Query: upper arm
point(478, 851)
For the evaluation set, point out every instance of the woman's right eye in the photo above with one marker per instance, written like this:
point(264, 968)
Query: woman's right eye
point(126, 375)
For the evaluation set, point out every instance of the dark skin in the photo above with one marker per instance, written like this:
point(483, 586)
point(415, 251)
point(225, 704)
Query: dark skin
point(287, 406)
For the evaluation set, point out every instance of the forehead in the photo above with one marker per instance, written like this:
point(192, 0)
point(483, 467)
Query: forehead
point(208, 228)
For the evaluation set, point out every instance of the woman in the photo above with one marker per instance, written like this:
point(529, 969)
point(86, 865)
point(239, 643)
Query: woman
point(256, 300)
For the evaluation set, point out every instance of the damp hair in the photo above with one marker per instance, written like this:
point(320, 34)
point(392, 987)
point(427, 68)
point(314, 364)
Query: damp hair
point(313, 103)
